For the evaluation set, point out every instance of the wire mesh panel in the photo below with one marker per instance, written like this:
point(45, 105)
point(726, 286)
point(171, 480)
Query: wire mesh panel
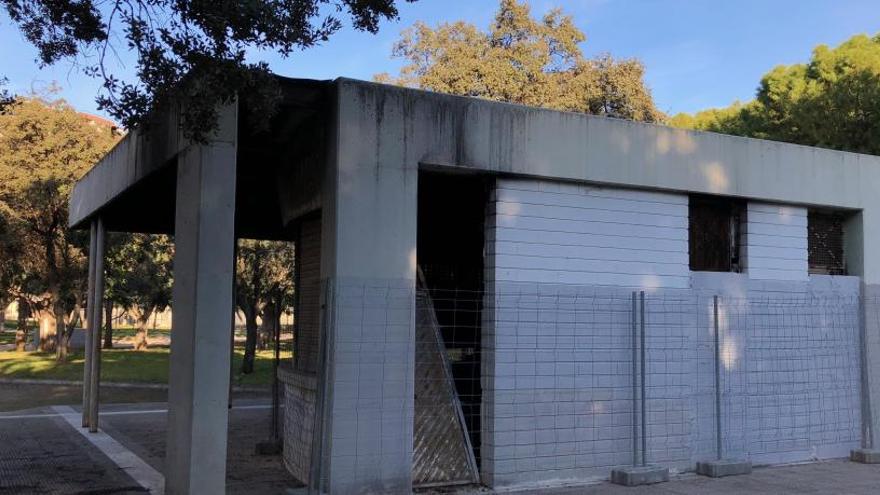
point(543, 375)
point(798, 376)
point(442, 452)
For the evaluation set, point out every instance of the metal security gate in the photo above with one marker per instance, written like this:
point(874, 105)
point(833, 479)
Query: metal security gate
point(442, 452)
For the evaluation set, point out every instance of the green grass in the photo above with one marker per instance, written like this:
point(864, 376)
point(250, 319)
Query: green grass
point(118, 365)
point(121, 332)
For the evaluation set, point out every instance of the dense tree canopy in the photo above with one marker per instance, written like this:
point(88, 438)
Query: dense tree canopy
point(523, 60)
point(832, 101)
point(204, 45)
point(45, 146)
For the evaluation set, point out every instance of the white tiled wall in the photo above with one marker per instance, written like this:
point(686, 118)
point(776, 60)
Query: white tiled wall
point(776, 242)
point(556, 232)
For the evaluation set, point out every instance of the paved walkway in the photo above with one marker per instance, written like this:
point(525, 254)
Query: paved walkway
point(41, 452)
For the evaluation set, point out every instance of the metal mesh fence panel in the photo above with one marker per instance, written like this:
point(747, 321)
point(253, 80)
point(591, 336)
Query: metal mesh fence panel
point(535, 382)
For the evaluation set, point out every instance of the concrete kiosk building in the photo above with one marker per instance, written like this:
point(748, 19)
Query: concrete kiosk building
point(465, 277)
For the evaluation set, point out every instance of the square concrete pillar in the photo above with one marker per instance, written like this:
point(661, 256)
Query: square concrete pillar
point(369, 217)
point(198, 395)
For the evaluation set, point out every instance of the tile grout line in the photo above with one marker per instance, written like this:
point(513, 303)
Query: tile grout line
point(134, 466)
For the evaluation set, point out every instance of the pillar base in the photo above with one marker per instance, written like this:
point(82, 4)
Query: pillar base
point(639, 475)
point(865, 456)
point(724, 467)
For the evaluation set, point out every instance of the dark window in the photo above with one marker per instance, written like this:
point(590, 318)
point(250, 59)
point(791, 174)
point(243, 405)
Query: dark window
point(825, 243)
point(715, 231)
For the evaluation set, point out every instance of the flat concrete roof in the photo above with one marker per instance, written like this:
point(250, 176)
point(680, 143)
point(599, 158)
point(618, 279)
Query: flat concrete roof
point(133, 185)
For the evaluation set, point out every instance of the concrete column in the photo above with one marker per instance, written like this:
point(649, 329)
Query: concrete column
point(369, 217)
point(198, 395)
point(90, 334)
point(862, 240)
point(97, 313)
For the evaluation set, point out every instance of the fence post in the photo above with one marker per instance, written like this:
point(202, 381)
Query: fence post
point(720, 467)
point(635, 418)
point(644, 402)
point(718, 445)
point(640, 473)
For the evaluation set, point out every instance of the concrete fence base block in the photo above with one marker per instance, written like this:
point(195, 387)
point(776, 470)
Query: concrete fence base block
point(724, 467)
point(865, 456)
point(639, 475)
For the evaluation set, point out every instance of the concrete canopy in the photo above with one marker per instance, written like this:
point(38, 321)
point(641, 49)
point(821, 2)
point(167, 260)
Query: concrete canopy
point(133, 186)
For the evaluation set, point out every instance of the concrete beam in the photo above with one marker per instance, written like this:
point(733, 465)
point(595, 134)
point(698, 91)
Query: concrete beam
point(198, 394)
point(137, 155)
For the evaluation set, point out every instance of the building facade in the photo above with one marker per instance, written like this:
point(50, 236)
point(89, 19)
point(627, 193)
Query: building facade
point(470, 284)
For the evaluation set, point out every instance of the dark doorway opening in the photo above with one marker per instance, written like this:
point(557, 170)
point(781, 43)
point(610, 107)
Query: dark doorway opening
point(451, 244)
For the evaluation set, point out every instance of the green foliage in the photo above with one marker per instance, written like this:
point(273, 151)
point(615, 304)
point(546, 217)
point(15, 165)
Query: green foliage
point(194, 52)
point(264, 286)
point(522, 60)
point(45, 146)
point(832, 101)
point(139, 275)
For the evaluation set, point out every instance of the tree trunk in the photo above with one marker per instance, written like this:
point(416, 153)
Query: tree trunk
point(61, 338)
point(108, 326)
point(22, 330)
point(4, 303)
point(250, 343)
point(47, 329)
point(142, 322)
point(267, 327)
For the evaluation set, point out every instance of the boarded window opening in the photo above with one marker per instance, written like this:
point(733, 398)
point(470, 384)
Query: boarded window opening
point(825, 243)
point(715, 232)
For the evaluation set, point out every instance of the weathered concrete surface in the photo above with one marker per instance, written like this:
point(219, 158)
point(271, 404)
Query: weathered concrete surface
point(639, 475)
point(440, 130)
point(724, 467)
point(368, 239)
point(204, 262)
point(138, 155)
point(865, 456)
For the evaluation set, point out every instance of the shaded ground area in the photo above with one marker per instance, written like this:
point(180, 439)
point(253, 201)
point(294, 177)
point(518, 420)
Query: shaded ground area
point(45, 455)
point(41, 453)
point(17, 396)
point(249, 423)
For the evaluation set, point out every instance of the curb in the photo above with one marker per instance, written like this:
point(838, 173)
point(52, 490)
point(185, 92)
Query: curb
point(155, 386)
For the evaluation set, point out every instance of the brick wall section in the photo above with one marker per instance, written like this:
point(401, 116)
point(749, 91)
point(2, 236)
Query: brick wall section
point(776, 242)
point(309, 310)
point(556, 232)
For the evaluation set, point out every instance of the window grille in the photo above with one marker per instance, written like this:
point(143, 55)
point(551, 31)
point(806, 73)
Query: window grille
point(715, 232)
point(825, 243)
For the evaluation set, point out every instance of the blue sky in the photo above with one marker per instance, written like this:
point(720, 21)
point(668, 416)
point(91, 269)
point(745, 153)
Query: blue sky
point(698, 53)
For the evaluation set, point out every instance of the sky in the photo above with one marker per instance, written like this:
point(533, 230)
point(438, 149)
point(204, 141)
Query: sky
point(698, 54)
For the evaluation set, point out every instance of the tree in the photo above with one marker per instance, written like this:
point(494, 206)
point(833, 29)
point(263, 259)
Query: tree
point(45, 146)
point(264, 286)
point(522, 60)
point(139, 278)
point(194, 52)
point(832, 101)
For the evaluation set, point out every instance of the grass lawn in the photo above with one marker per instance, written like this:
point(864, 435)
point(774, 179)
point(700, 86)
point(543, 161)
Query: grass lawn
point(118, 365)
